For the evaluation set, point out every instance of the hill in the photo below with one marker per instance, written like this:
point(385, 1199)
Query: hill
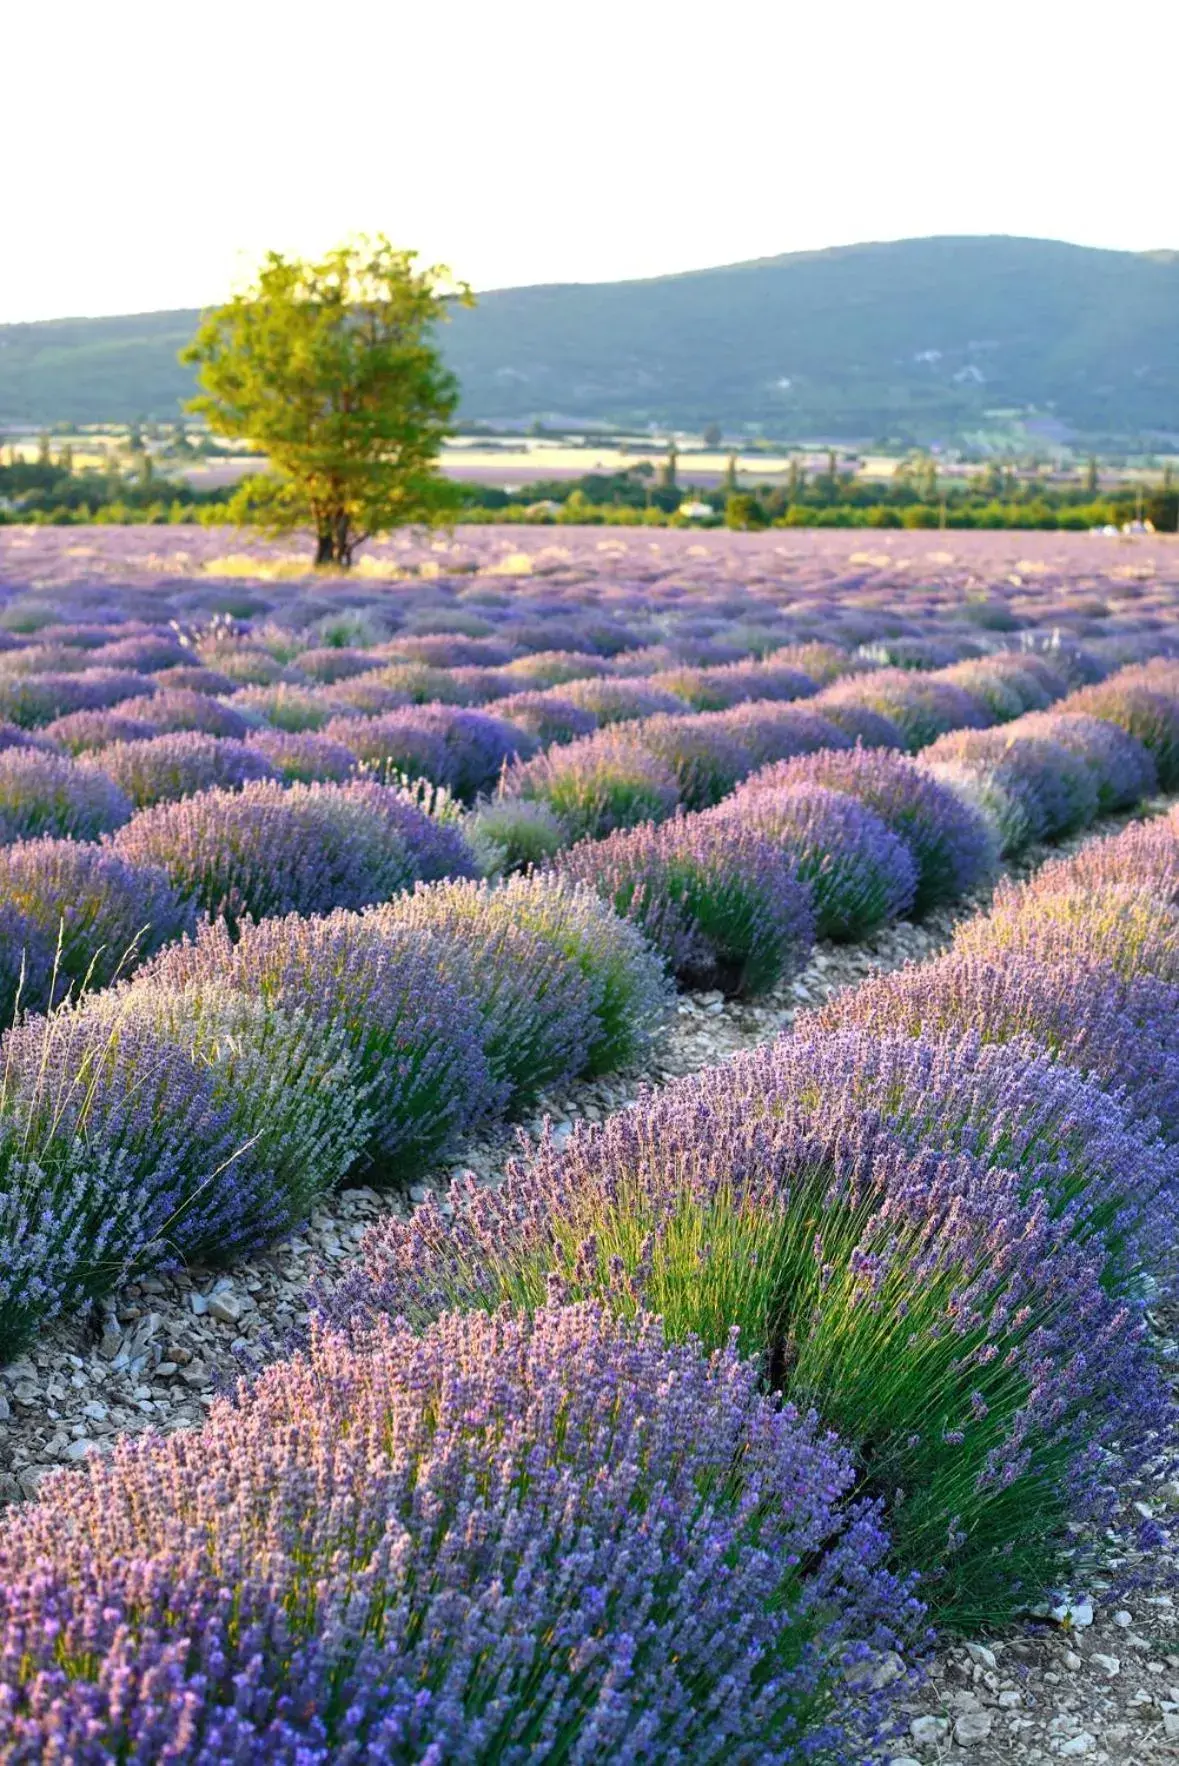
point(919, 340)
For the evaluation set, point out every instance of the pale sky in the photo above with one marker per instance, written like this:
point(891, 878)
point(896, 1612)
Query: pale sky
point(153, 151)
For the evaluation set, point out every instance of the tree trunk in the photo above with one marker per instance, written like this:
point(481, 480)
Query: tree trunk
point(343, 543)
point(323, 547)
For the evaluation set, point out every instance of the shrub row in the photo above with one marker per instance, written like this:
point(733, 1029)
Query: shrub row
point(200, 1108)
point(931, 1213)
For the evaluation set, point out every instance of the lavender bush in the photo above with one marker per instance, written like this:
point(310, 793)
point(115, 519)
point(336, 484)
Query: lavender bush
point(1030, 787)
point(414, 1040)
point(595, 785)
point(1121, 768)
point(358, 1579)
point(1125, 1033)
point(82, 731)
point(304, 757)
point(951, 843)
point(305, 849)
point(922, 708)
point(549, 717)
point(858, 872)
point(1149, 713)
point(620, 701)
point(536, 1006)
point(706, 760)
point(628, 990)
point(97, 914)
point(163, 769)
point(1136, 934)
point(511, 834)
point(30, 700)
point(176, 708)
point(722, 905)
point(47, 794)
point(840, 1256)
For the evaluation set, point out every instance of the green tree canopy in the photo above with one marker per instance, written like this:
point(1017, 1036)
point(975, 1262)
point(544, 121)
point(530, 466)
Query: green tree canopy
point(330, 370)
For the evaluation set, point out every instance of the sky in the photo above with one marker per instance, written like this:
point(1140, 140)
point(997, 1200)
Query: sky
point(154, 151)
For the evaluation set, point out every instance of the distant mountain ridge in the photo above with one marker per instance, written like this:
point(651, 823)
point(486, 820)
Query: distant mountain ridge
point(919, 340)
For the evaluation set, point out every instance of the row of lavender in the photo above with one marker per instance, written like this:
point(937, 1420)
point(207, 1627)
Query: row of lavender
point(246, 843)
point(495, 1511)
point(78, 912)
point(443, 1007)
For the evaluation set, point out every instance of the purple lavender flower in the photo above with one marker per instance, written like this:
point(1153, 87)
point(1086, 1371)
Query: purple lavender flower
point(722, 905)
point(887, 1288)
point(620, 701)
point(1144, 708)
point(344, 1562)
point(414, 1039)
point(859, 873)
point(951, 843)
point(99, 914)
point(43, 793)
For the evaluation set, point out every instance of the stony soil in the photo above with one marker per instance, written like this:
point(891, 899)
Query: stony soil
point(1100, 1682)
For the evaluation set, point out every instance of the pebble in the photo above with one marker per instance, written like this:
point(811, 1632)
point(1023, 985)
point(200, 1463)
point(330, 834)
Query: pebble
point(972, 1727)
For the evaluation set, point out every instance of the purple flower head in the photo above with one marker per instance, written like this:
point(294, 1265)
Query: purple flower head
point(951, 843)
point(722, 905)
point(602, 782)
point(355, 1558)
point(859, 873)
point(414, 1039)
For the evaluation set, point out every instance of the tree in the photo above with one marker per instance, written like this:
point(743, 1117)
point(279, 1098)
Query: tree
point(712, 436)
point(729, 482)
point(330, 370)
point(667, 473)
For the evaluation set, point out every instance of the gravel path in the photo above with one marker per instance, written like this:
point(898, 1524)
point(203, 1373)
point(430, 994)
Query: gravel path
point(1100, 1683)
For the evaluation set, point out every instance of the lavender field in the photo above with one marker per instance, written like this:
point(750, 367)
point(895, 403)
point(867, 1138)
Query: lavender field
point(749, 1405)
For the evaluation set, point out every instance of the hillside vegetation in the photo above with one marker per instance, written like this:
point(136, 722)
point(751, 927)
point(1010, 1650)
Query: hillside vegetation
point(918, 340)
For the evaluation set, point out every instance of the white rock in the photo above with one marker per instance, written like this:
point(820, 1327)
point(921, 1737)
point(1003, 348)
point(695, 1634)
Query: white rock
point(78, 1449)
point(1107, 1665)
point(981, 1656)
point(225, 1306)
point(972, 1727)
point(1123, 1618)
point(1171, 1725)
point(1076, 1745)
point(928, 1730)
